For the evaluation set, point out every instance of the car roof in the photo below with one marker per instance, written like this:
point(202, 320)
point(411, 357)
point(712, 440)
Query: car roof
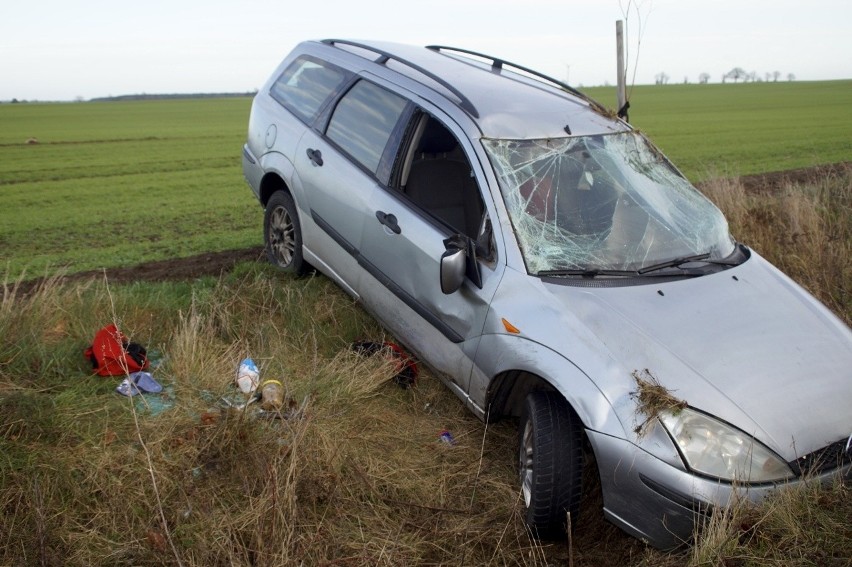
point(503, 103)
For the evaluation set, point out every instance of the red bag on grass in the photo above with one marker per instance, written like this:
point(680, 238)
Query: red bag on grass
point(112, 354)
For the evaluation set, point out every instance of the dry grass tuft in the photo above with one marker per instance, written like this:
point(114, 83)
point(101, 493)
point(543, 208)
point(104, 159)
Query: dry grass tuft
point(652, 398)
point(802, 525)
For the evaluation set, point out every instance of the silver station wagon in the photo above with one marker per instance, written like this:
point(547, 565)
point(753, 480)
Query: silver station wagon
point(549, 264)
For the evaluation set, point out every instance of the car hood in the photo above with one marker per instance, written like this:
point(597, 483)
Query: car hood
point(745, 344)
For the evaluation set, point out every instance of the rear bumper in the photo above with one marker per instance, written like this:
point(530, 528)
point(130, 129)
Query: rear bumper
point(660, 504)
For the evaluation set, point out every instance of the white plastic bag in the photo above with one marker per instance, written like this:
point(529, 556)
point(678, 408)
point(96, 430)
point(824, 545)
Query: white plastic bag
point(248, 376)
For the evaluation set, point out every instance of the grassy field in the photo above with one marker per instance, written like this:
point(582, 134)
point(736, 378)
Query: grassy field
point(731, 130)
point(357, 474)
point(118, 183)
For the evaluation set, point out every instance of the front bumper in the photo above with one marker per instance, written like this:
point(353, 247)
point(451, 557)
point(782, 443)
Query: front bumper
point(658, 503)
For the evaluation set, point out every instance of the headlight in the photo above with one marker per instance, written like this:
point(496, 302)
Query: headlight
point(716, 449)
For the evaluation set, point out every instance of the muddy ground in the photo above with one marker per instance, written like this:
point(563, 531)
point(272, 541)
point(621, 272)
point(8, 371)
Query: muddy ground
point(776, 180)
point(216, 263)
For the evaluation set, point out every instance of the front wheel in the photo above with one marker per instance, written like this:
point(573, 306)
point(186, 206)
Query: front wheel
point(550, 459)
point(282, 234)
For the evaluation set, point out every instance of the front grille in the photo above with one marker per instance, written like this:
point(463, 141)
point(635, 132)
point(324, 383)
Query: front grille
point(827, 459)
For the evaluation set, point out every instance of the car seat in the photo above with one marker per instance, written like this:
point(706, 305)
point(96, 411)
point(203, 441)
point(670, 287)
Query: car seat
point(441, 181)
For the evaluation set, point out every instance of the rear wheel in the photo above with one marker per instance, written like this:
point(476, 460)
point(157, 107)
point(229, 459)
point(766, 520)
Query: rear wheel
point(282, 234)
point(550, 459)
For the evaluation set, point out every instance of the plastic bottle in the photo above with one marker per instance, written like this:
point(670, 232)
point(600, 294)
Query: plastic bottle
point(271, 395)
point(247, 376)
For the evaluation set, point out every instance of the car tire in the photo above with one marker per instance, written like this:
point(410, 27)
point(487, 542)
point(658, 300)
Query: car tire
point(282, 234)
point(550, 464)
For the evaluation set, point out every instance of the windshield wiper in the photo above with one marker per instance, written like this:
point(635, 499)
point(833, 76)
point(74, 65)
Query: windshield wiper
point(585, 272)
point(674, 263)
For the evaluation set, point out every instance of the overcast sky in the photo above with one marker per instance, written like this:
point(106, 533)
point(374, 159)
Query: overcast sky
point(65, 49)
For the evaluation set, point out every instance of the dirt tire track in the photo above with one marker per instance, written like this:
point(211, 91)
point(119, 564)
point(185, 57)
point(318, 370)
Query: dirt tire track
point(776, 180)
point(174, 269)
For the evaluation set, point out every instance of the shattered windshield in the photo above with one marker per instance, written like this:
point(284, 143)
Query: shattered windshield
point(606, 202)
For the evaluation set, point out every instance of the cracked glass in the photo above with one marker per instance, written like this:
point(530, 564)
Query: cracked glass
point(605, 202)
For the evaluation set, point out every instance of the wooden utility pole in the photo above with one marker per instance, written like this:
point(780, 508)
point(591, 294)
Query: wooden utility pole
point(622, 79)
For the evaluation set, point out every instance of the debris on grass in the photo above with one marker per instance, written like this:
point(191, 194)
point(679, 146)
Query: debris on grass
point(652, 398)
point(405, 365)
point(154, 404)
point(248, 376)
point(446, 437)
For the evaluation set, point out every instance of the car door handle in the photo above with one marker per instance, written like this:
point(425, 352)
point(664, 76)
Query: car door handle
point(389, 221)
point(315, 156)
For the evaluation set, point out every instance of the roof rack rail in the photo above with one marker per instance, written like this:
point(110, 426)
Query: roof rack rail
point(464, 102)
point(498, 64)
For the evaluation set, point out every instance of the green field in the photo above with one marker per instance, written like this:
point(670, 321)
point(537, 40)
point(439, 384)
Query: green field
point(119, 183)
point(733, 130)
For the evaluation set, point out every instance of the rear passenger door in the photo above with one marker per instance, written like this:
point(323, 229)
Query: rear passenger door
point(339, 165)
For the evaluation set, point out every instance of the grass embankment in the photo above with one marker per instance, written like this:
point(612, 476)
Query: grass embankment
point(360, 476)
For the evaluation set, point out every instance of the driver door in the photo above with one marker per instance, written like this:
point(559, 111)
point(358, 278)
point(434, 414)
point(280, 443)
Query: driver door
point(435, 195)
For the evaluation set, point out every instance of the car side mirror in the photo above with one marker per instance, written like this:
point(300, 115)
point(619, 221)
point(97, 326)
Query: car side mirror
point(459, 262)
point(453, 268)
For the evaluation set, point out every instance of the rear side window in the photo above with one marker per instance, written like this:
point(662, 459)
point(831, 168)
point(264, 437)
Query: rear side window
point(363, 122)
point(305, 85)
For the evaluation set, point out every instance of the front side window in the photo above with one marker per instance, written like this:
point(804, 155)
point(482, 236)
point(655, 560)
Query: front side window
point(605, 202)
point(436, 175)
point(305, 85)
point(363, 122)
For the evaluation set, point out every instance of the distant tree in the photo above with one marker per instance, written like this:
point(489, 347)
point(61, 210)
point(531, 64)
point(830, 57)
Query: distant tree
point(775, 75)
point(14, 101)
point(737, 73)
point(704, 78)
point(661, 78)
point(791, 77)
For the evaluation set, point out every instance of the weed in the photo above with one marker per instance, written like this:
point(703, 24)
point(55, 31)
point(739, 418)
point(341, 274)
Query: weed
point(652, 399)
